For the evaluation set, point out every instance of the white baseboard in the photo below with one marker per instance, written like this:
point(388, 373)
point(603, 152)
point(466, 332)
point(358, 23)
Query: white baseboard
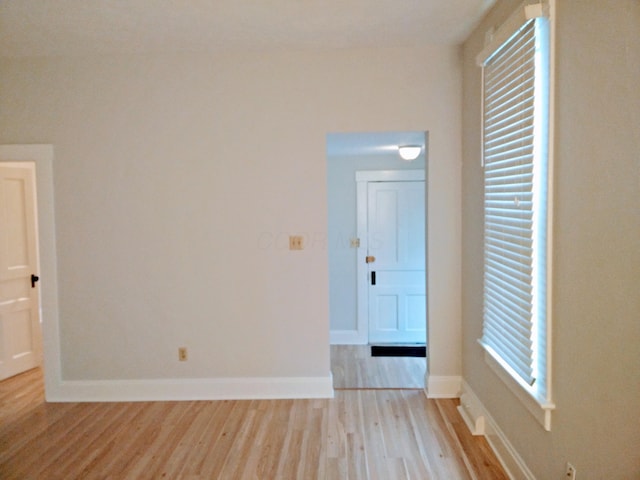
point(191, 389)
point(480, 422)
point(441, 386)
point(347, 337)
point(471, 411)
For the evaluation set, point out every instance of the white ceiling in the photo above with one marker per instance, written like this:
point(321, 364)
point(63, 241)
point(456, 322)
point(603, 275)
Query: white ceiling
point(371, 143)
point(87, 27)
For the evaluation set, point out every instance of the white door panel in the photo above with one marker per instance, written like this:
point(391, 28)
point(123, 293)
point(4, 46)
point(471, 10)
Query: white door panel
point(396, 244)
point(20, 344)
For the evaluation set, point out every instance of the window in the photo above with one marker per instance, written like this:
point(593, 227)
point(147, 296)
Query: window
point(515, 133)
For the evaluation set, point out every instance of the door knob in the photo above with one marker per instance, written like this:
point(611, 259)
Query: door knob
point(370, 259)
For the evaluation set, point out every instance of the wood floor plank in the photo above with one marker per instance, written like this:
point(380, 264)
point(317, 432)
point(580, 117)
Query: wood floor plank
point(372, 432)
point(476, 451)
point(216, 416)
point(353, 366)
point(176, 463)
point(224, 443)
point(274, 443)
point(37, 454)
point(253, 451)
point(358, 435)
point(108, 423)
point(434, 444)
point(134, 438)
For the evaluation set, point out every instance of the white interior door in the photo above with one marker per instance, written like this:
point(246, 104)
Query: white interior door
point(20, 337)
point(396, 261)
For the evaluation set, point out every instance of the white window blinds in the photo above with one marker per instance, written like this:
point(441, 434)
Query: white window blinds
point(514, 153)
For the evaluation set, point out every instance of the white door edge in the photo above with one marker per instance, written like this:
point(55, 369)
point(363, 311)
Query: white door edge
point(362, 178)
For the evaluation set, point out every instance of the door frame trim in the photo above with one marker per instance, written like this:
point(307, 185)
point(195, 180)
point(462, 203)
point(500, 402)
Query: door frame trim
point(363, 177)
point(42, 156)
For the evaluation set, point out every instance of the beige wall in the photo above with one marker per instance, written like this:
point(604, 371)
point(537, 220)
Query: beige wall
point(178, 178)
point(596, 257)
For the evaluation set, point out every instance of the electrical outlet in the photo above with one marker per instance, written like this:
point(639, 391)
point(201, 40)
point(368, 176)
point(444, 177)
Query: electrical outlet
point(570, 473)
point(295, 242)
point(182, 354)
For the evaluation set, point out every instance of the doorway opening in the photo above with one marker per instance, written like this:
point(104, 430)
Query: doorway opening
point(20, 332)
point(46, 334)
point(377, 259)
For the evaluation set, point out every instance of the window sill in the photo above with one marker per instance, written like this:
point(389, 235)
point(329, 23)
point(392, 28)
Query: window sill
point(540, 408)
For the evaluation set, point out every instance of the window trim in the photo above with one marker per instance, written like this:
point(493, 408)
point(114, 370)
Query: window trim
point(540, 406)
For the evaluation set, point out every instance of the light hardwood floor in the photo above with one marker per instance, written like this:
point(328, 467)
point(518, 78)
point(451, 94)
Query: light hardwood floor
point(361, 434)
point(353, 366)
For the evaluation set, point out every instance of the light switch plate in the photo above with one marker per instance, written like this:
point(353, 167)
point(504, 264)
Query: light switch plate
point(296, 242)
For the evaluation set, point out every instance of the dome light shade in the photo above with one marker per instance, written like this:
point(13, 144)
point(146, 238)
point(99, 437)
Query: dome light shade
point(409, 152)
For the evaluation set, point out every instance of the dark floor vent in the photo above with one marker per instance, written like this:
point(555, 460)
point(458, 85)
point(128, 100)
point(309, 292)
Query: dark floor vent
point(398, 351)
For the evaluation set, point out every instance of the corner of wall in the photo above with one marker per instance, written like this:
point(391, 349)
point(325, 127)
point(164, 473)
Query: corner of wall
point(442, 386)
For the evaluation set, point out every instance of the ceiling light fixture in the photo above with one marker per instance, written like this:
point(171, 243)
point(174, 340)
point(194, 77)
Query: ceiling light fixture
point(409, 152)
